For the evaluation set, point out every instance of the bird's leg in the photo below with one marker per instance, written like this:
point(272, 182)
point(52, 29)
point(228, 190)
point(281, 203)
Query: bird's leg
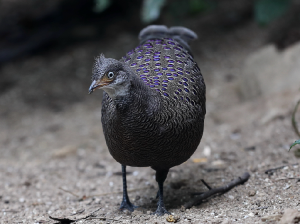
point(161, 176)
point(157, 194)
point(126, 204)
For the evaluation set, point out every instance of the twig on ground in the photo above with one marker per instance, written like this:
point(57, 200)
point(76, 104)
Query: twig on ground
point(206, 184)
point(271, 171)
point(220, 190)
point(262, 208)
point(199, 193)
point(294, 122)
point(196, 193)
point(68, 221)
point(104, 218)
point(289, 178)
point(10, 210)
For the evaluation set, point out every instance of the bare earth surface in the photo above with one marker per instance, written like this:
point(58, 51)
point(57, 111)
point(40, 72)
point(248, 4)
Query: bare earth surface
point(54, 160)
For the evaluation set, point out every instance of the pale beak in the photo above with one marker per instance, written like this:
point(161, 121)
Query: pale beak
point(98, 84)
point(92, 86)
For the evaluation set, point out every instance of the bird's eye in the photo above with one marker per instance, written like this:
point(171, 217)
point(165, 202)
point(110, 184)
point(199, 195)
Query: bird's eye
point(110, 75)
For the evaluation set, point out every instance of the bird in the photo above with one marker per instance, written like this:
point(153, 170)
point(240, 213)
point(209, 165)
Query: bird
point(153, 105)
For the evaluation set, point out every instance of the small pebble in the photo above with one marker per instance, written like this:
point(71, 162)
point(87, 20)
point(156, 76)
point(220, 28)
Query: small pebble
point(251, 193)
point(182, 209)
point(126, 212)
point(6, 200)
point(207, 151)
point(219, 163)
point(230, 197)
point(172, 218)
point(251, 214)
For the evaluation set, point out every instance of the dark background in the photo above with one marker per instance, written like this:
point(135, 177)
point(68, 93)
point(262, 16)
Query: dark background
point(33, 27)
point(50, 28)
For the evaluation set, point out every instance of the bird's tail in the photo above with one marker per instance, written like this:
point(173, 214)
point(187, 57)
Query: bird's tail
point(181, 34)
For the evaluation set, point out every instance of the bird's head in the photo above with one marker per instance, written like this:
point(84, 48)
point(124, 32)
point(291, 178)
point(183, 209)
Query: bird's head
point(110, 75)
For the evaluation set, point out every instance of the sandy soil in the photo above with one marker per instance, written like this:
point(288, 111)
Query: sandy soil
point(54, 160)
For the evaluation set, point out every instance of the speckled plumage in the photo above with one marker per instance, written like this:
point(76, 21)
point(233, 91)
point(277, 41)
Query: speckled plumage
point(158, 121)
point(167, 132)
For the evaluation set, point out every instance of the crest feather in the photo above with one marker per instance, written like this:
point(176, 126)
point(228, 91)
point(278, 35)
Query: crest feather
point(103, 64)
point(99, 60)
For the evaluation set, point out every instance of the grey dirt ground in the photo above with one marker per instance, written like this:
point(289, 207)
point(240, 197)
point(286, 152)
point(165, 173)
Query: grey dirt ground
point(54, 160)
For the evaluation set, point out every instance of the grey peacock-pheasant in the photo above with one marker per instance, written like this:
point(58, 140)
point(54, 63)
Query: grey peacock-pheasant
point(153, 105)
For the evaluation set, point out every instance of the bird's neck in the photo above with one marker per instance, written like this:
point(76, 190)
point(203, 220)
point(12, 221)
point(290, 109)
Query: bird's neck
point(119, 92)
point(136, 96)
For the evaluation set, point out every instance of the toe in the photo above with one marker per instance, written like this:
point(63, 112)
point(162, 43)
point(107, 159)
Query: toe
point(128, 206)
point(160, 211)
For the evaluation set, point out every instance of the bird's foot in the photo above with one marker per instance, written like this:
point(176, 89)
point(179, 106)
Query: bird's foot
point(127, 205)
point(161, 210)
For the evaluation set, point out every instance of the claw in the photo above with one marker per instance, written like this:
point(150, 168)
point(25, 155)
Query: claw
point(127, 205)
point(161, 210)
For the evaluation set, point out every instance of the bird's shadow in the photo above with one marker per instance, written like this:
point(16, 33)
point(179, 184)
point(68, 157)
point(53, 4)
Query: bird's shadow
point(179, 190)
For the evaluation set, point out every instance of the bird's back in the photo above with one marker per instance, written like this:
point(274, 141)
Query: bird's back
point(168, 68)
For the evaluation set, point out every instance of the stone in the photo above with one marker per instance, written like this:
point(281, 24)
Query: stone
point(290, 216)
point(271, 218)
point(251, 193)
point(171, 218)
point(269, 71)
point(182, 208)
point(251, 214)
point(219, 163)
